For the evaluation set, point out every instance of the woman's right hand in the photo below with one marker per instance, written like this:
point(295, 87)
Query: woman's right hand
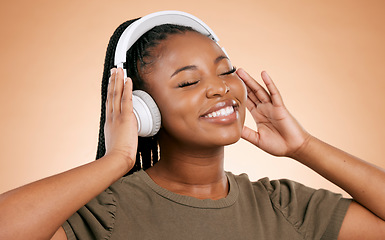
point(56, 198)
point(120, 130)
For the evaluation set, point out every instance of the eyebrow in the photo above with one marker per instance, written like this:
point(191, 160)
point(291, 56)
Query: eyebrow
point(189, 67)
point(194, 67)
point(218, 59)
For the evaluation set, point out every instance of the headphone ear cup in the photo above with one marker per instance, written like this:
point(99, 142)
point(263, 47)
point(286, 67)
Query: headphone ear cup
point(147, 113)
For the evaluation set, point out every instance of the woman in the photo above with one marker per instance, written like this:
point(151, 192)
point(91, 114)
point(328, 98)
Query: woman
point(187, 194)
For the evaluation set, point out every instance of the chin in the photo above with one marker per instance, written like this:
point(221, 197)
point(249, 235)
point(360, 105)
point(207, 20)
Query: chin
point(228, 139)
point(231, 142)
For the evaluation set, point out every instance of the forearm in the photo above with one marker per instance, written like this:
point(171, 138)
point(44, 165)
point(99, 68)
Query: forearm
point(36, 210)
point(362, 180)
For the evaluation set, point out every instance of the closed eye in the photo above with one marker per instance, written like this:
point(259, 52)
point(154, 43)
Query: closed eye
point(229, 72)
point(186, 84)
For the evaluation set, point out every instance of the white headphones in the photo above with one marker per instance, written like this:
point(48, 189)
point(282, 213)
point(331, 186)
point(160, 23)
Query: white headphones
point(145, 109)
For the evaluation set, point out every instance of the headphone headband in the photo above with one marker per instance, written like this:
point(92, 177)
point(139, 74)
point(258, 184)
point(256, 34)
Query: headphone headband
point(135, 30)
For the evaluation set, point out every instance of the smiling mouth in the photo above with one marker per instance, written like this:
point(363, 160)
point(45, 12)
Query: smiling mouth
point(223, 112)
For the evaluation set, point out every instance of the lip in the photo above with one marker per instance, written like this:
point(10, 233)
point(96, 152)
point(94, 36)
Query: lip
point(222, 104)
point(222, 119)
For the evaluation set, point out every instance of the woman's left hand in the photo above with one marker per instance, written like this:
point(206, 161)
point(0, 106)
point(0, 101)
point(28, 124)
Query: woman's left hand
point(278, 133)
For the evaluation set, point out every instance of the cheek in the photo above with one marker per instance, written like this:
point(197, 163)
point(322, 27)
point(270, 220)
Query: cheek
point(242, 90)
point(177, 111)
point(239, 90)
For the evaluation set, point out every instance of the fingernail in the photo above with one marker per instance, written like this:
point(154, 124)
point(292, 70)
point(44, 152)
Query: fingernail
point(111, 72)
point(265, 73)
point(127, 79)
point(241, 73)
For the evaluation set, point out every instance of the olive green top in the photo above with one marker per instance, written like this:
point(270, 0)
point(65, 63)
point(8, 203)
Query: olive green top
point(135, 207)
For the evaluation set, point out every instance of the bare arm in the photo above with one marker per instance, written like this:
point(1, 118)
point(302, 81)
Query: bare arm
point(37, 210)
point(362, 180)
point(59, 235)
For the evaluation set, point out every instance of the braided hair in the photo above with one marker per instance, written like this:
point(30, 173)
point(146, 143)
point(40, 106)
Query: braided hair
point(138, 57)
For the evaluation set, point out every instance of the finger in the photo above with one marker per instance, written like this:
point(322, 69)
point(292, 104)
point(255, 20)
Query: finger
point(110, 91)
point(250, 135)
point(255, 87)
point(275, 96)
point(257, 115)
point(127, 106)
point(118, 90)
point(251, 96)
point(250, 105)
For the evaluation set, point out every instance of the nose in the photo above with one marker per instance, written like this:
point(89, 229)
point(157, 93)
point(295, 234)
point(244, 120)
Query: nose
point(217, 88)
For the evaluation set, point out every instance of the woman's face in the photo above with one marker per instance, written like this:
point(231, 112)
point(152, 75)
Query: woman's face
point(200, 97)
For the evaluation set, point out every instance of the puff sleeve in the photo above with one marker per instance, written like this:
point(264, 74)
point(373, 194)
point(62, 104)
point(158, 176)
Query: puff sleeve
point(95, 220)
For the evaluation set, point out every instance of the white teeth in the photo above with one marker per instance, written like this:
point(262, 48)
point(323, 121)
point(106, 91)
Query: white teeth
point(223, 112)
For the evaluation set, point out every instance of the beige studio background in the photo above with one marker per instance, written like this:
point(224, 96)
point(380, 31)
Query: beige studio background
point(327, 58)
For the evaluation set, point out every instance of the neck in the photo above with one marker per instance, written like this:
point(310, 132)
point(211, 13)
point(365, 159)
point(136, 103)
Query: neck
point(191, 171)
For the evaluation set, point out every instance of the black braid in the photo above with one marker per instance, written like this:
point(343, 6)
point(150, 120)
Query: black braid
point(138, 57)
point(108, 64)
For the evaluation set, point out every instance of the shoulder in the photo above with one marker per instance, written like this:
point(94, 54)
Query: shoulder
point(133, 186)
point(307, 209)
point(98, 218)
point(282, 188)
point(272, 187)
